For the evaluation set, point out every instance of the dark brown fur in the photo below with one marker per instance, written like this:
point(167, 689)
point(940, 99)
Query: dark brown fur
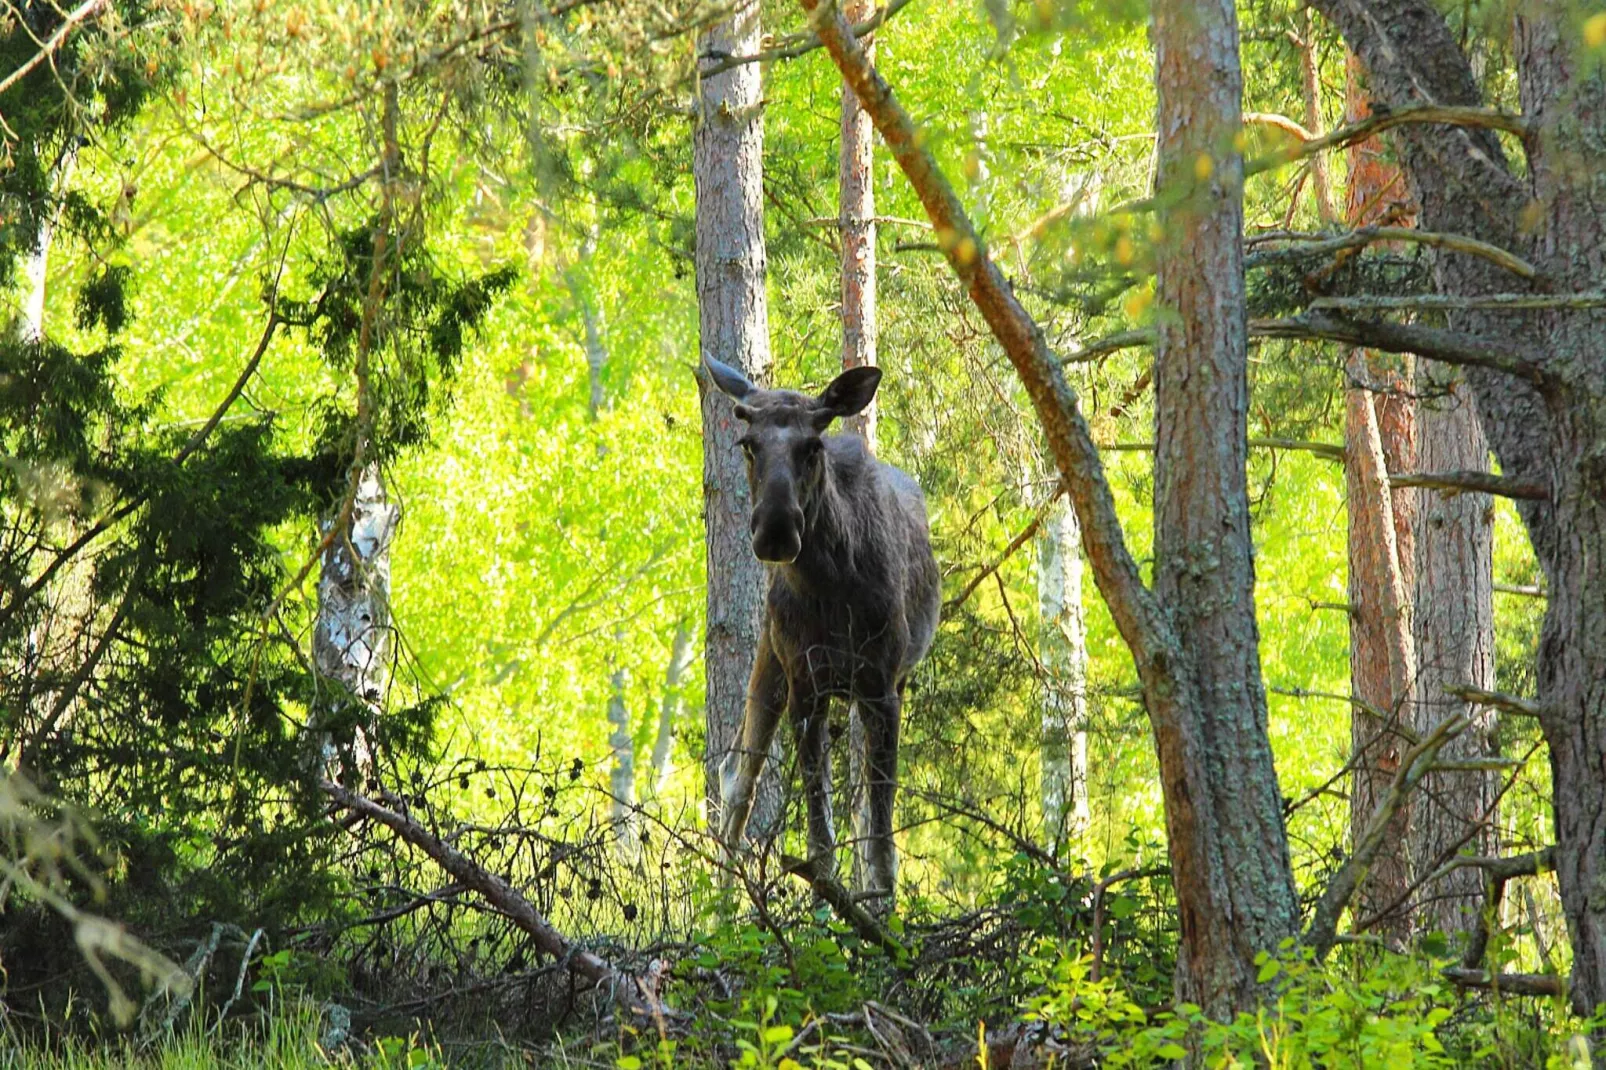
point(852, 605)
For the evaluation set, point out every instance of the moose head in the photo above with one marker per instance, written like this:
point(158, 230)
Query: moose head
point(786, 464)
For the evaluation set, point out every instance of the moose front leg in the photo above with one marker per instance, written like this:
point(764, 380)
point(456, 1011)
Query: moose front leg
point(810, 714)
point(739, 772)
point(881, 715)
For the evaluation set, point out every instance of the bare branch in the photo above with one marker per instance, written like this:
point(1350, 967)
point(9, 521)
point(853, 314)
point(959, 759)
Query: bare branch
point(1415, 765)
point(1512, 302)
point(1435, 343)
point(841, 900)
point(1527, 590)
point(1517, 984)
point(801, 44)
point(470, 874)
point(1449, 484)
point(84, 11)
point(1307, 245)
point(1521, 707)
point(1383, 119)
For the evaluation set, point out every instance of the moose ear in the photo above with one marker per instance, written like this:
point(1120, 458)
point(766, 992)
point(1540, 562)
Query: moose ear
point(848, 393)
point(728, 379)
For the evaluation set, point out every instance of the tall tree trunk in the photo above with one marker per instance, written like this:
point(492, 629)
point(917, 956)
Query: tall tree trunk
point(622, 745)
point(669, 708)
point(856, 220)
point(1063, 647)
point(352, 640)
point(733, 316)
point(1228, 848)
point(1453, 621)
point(1311, 81)
point(1547, 428)
point(1379, 438)
point(1193, 638)
point(584, 295)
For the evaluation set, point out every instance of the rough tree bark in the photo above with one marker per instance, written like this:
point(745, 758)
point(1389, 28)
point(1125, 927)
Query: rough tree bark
point(856, 220)
point(1063, 646)
point(1235, 889)
point(1547, 428)
point(733, 317)
point(680, 653)
point(1453, 621)
point(1379, 438)
point(1228, 851)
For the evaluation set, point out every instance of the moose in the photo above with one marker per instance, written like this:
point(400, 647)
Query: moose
point(851, 609)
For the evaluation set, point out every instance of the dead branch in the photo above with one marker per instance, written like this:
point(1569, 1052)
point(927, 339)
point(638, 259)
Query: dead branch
point(635, 994)
point(847, 908)
point(1455, 302)
point(1099, 891)
point(1435, 343)
point(1383, 119)
point(1302, 245)
point(1498, 700)
point(1516, 984)
point(1415, 765)
point(1449, 484)
point(1329, 450)
point(1526, 590)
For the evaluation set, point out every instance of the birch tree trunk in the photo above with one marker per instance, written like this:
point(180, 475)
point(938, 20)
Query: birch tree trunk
point(352, 640)
point(856, 210)
point(733, 316)
point(622, 744)
point(1379, 438)
point(1063, 647)
point(669, 708)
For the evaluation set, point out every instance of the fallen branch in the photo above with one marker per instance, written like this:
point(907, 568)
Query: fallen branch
point(832, 891)
point(635, 994)
point(1449, 484)
point(1415, 765)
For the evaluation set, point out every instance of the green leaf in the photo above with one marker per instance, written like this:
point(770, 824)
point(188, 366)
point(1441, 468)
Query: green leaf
point(1268, 969)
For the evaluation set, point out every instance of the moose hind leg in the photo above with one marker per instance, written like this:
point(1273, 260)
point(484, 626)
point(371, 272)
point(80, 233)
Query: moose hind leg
point(739, 772)
point(881, 717)
point(811, 723)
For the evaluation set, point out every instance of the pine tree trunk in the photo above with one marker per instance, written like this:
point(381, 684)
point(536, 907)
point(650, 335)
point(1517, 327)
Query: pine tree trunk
point(856, 208)
point(1453, 620)
point(669, 709)
point(1547, 428)
point(1379, 438)
point(1224, 818)
point(733, 315)
point(352, 640)
point(1063, 651)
